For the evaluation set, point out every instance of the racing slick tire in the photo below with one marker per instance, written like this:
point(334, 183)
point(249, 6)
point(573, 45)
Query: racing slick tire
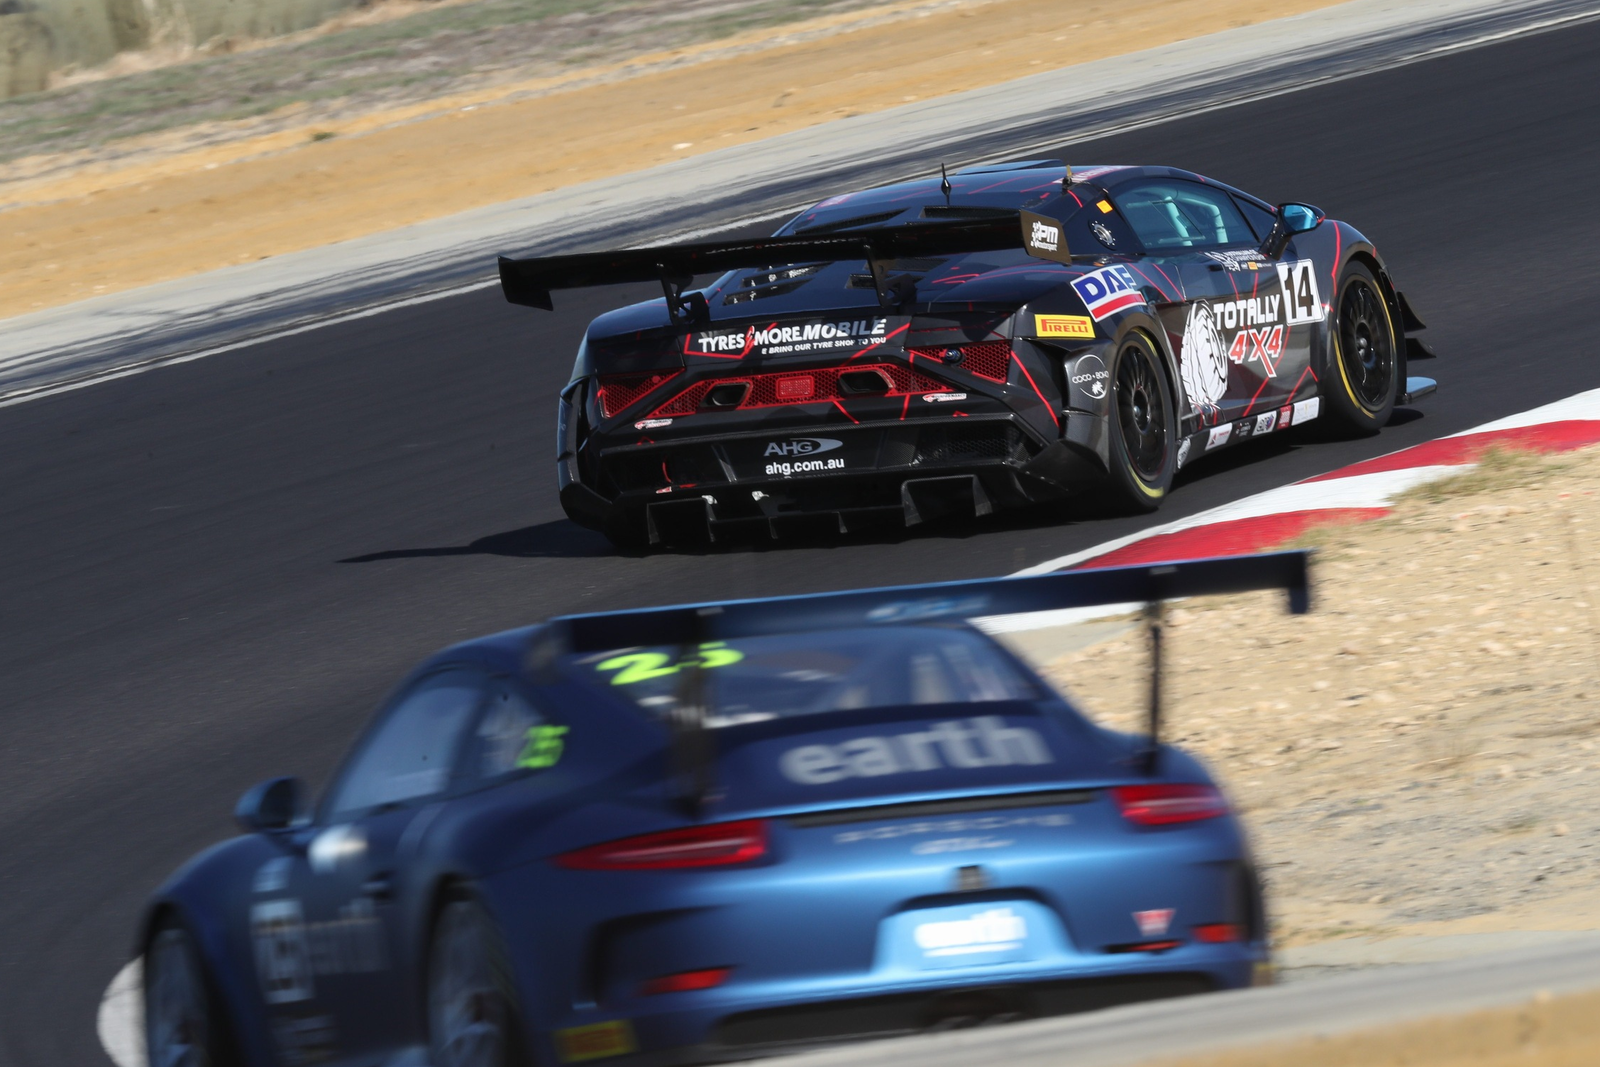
point(182, 1020)
point(1143, 426)
point(1363, 376)
point(474, 1017)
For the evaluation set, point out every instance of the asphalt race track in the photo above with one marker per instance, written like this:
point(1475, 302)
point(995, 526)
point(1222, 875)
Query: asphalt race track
point(209, 573)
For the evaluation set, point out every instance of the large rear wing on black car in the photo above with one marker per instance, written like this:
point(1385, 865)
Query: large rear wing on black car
point(530, 281)
point(690, 625)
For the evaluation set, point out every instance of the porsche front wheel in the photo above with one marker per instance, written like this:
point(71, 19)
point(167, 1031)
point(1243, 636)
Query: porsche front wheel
point(472, 1004)
point(1143, 426)
point(181, 1025)
point(1362, 378)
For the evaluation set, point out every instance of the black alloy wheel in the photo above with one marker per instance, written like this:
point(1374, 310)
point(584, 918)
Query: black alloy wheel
point(180, 1025)
point(472, 1007)
point(1143, 425)
point(1366, 366)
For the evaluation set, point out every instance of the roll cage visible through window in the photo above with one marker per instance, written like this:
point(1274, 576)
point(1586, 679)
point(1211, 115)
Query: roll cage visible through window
point(1174, 214)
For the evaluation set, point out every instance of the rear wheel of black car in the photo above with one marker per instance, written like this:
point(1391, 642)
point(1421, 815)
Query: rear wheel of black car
point(1143, 426)
point(473, 1018)
point(181, 1025)
point(1363, 374)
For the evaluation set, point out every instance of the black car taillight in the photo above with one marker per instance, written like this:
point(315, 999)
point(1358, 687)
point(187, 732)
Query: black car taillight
point(1163, 805)
point(716, 845)
point(986, 359)
point(618, 392)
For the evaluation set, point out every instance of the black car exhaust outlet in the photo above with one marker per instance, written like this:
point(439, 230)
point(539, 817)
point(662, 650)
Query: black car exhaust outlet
point(958, 496)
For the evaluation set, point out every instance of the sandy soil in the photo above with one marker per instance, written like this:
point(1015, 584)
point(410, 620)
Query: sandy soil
point(1547, 1032)
point(74, 229)
point(1419, 754)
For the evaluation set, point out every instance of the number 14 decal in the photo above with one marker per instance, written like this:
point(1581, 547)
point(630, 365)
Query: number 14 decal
point(1301, 300)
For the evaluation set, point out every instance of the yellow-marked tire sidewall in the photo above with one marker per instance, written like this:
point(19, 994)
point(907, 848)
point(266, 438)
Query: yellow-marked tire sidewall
point(1139, 492)
point(1354, 413)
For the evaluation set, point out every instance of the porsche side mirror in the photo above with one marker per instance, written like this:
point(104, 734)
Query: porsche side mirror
point(273, 805)
point(1292, 219)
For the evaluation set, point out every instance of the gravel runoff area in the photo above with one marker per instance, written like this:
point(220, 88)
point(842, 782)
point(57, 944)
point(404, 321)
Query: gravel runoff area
point(384, 54)
point(1421, 753)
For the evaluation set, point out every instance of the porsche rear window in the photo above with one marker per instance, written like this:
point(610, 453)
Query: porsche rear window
point(772, 677)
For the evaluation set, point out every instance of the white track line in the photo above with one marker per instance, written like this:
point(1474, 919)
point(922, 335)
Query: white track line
point(120, 1022)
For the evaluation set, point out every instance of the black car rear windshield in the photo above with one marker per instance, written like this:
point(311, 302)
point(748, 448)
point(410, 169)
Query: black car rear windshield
point(761, 678)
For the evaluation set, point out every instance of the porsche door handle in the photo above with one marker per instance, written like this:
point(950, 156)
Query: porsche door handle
point(379, 886)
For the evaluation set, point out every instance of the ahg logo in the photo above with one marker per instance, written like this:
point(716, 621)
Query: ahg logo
point(983, 741)
point(802, 446)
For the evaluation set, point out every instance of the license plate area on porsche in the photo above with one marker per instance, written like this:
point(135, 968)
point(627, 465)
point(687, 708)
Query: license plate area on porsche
point(985, 933)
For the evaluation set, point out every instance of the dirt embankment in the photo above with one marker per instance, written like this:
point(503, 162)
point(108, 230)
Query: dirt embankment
point(1421, 753)
point(85, 225)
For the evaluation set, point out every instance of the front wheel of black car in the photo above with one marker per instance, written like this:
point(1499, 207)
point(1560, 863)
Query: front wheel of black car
point(1143, 426)
point(473, 1019)
point(1363, 373)
point(182, 1027)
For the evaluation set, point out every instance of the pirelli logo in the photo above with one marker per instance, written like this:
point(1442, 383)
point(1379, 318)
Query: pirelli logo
point(1063, 326)
point(596, 1041)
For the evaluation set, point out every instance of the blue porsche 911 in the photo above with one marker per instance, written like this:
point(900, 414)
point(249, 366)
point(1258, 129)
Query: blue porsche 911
point(708, 832)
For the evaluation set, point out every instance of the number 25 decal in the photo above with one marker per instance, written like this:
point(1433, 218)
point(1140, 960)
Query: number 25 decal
point(1301, 301)
point(635, 667)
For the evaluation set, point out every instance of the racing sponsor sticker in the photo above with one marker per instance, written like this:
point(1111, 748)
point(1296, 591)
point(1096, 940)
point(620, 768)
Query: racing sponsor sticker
point(982, 741)
point(1285, 415)
point(1108, 290)
point(1043, 238)
point(1183, 451)
point(1266, 422)
point(1218, 436)
point(1306, 410)
point(977, 934)
point(1063, 326)
point(1302, 299)
point(802, 446)
point(942, 398)
point(991, 930)
point(1244, 428)
point(283, 959)
point(783, 339)
point(1238, 259)
point(1155, 922)
point(596, 1041)
point(784, 468)
point(651, 424)
point(1090, 375)
point(979, 824)
point(1204, 362)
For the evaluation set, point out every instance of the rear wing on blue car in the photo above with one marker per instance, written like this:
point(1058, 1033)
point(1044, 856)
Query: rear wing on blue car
point(938, 601)
point(690, 625)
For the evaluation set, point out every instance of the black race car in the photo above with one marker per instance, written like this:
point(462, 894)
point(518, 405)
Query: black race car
point(1008, 335)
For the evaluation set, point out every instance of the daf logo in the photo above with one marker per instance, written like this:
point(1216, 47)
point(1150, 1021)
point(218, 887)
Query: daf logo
point(801, 446)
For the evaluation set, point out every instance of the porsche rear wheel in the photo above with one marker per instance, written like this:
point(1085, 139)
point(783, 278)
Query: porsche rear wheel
point(1363, 376)
point(1143, 426)
point(473, 1018)
point(181, 1025)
